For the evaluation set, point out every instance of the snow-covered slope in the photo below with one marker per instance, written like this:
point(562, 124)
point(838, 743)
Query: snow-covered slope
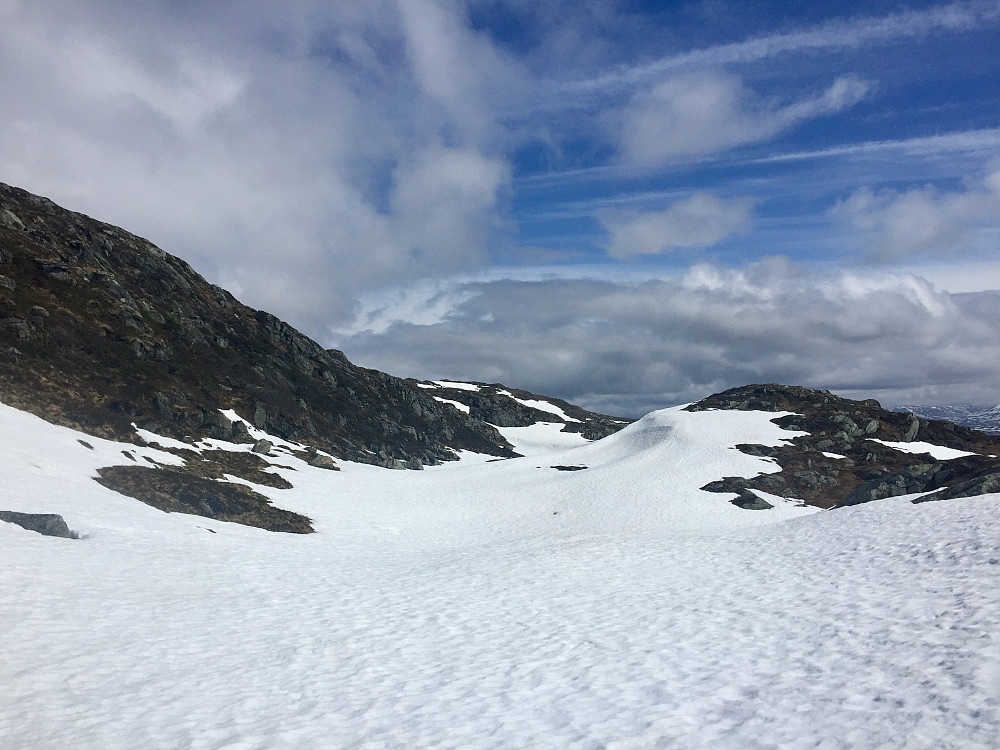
point(505, 407)
point(496, 604)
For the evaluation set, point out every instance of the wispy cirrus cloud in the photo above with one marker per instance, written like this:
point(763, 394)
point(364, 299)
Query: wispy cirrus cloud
point(983, 140)
point(842, 34)
point(701, 113)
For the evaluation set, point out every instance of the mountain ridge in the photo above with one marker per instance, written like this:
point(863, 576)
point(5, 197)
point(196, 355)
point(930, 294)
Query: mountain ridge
point(100, 329)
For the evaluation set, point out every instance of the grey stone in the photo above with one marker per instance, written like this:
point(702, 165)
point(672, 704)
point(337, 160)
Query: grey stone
point(47, 524)
point(980, 485)
point(259, 417)
point(263, 446)
point(9, 219)
point(749, 501)
point(322, 461)
point(240, 432)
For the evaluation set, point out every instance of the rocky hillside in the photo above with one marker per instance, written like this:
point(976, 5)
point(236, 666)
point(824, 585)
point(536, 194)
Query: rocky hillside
point(100, 329)
point(855, 451)
point(511, 407)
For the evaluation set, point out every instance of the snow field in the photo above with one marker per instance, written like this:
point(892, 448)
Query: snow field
point(497, 605)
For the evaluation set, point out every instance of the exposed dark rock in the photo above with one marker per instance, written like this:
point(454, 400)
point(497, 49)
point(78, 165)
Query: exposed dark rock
point(561, 467)
point(179, 491)
point(739, 486)
point(749, 501)
point(100, 329)
point(911, 479)
point(216, 464)
point(321, 461)
point(977, 485)
point(47, 524)
point(496, 404)
point(858, 469)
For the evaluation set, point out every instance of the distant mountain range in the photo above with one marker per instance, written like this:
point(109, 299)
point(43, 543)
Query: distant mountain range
point(976, 417)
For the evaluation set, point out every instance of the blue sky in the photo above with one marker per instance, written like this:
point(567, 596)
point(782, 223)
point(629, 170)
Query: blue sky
point(625, 204)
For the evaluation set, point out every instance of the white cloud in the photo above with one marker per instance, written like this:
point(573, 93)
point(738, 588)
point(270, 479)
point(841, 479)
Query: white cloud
point(461, 71)
point(854, 33)
point(632, 347)
point(699, 221)
point(985, 141)
point(700, 113)
point(921, 221)
point(301, 156)
point(444, 202)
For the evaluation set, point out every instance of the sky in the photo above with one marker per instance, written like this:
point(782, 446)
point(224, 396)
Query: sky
point(625, 204)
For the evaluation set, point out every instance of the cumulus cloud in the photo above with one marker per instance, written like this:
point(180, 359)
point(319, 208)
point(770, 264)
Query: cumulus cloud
point(463, 73)
point(628, 348)
point(299, 156)
point(444, 202)
point(692, 114)
point(922, 221)
point(700, 221)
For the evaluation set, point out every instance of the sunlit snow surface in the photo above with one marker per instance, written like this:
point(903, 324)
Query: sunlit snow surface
point(496, 605)
point(939, 452)
point(540, 405)
point(457, 404)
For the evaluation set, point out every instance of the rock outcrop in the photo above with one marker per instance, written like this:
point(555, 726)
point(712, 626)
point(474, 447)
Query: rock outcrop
point(46, 524)
point(181, 491)
point(842, 458)
point(496, 404)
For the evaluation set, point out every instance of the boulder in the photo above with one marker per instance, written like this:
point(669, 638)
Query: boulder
point(262, 446)
point(47, 524)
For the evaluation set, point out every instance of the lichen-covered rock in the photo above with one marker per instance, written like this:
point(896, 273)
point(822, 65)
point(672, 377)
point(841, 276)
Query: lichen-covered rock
point(836, 463)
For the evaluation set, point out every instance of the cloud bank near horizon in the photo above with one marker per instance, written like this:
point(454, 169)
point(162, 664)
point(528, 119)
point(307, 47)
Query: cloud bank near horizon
point(631, 347)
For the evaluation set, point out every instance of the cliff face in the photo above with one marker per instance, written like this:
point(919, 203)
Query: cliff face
point(100, 329)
